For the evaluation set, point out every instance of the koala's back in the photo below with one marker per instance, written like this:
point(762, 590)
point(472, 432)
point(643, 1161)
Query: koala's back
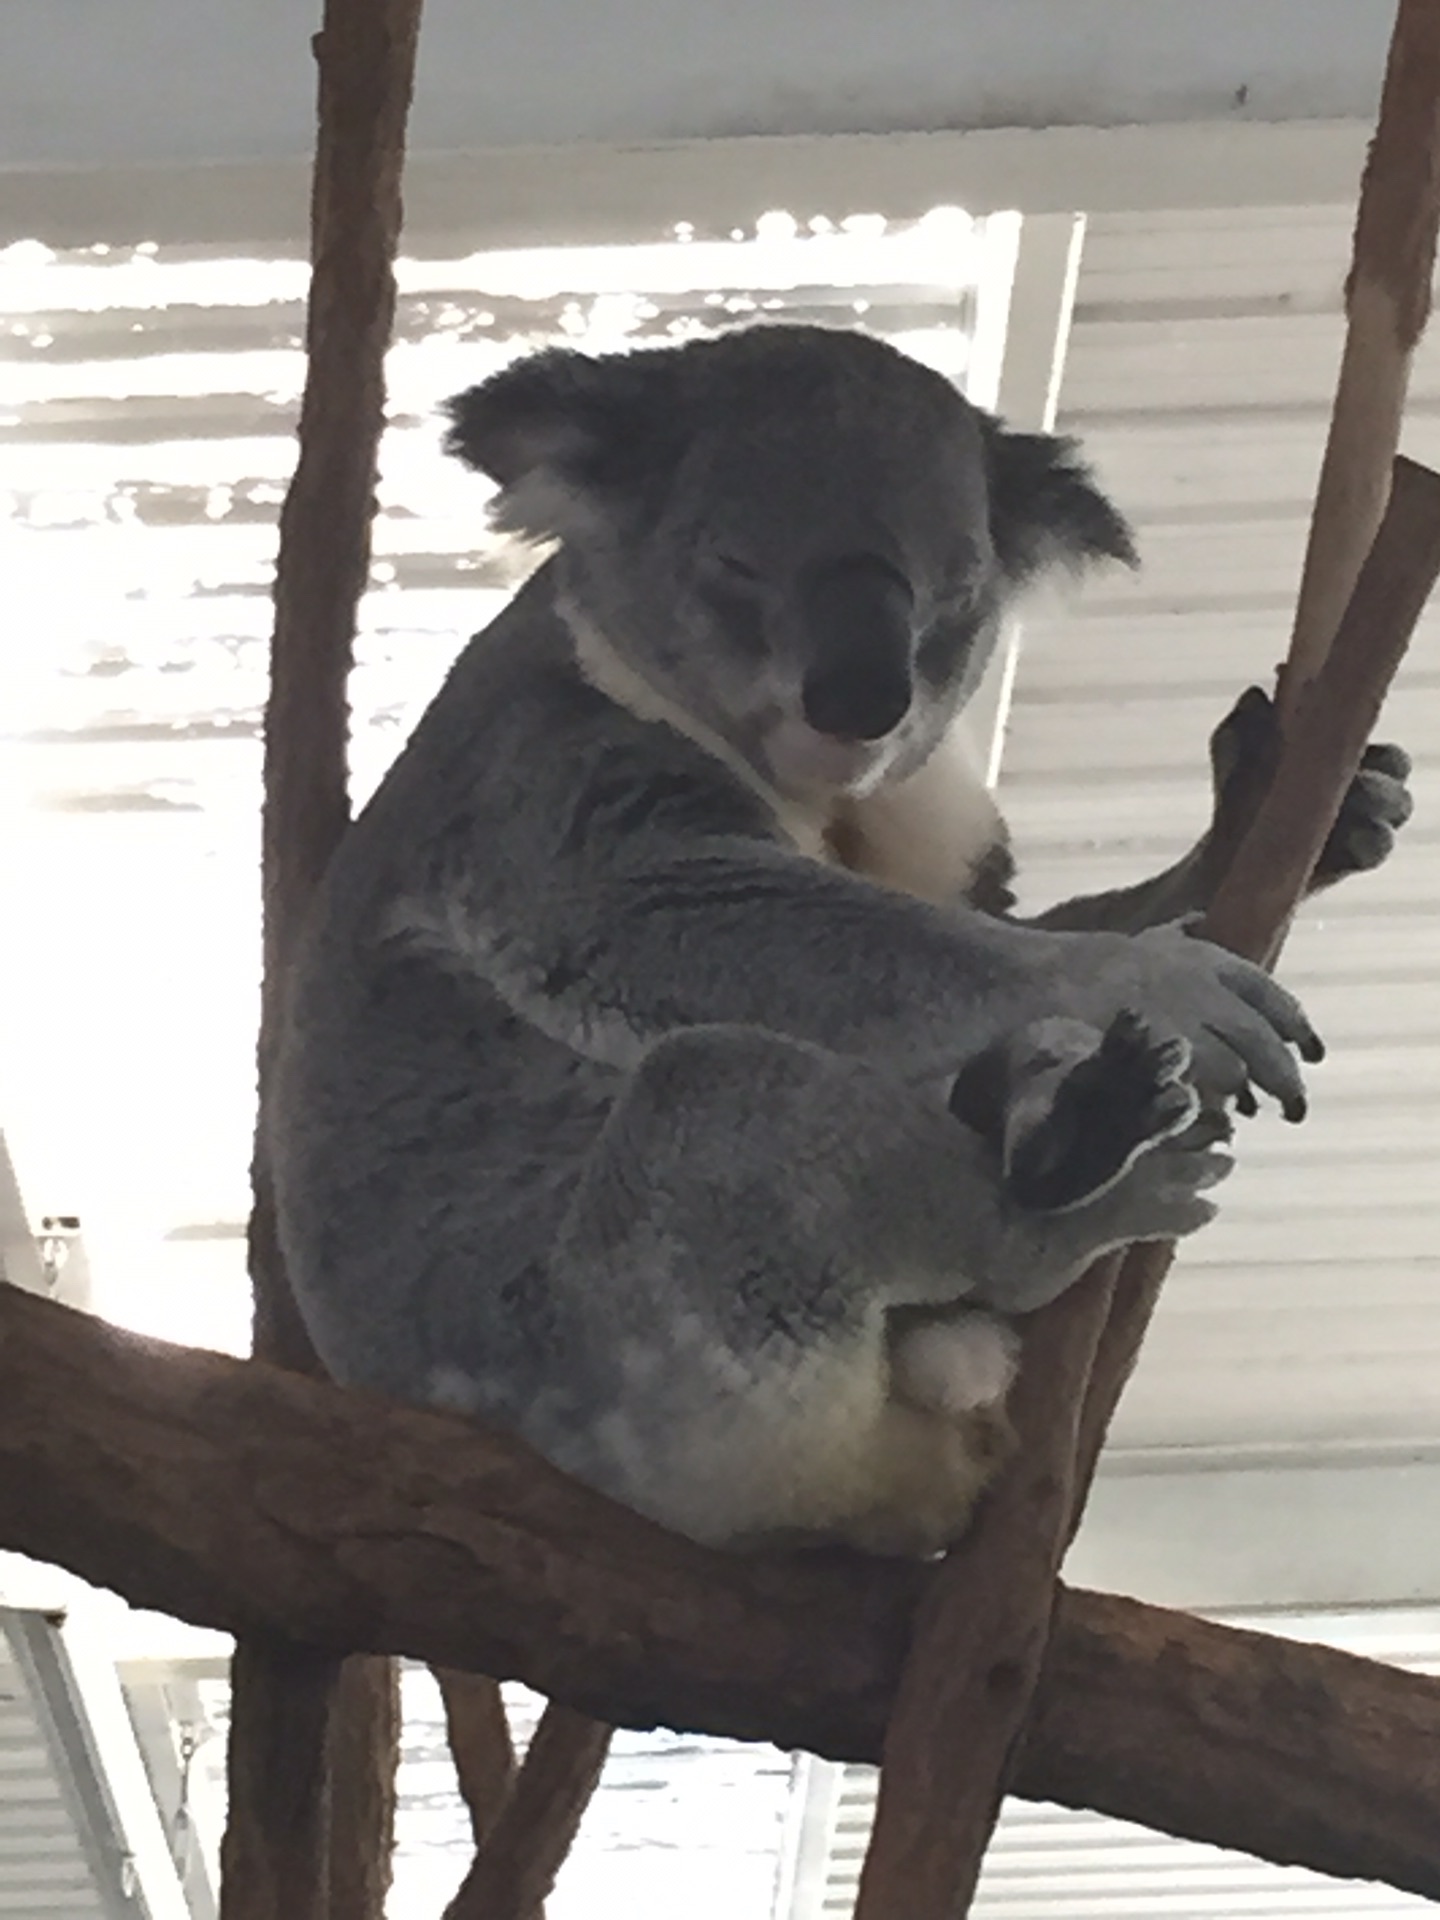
point(427, 1138)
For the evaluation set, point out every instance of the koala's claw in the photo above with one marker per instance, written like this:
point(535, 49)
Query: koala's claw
point(1243, 750)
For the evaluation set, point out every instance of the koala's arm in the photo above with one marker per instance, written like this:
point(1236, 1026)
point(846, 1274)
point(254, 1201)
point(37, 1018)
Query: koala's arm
point(1242, 754)
point(614, 884)
point(1187, 887)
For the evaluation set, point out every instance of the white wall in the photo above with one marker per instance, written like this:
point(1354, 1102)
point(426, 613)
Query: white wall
point(99, 82)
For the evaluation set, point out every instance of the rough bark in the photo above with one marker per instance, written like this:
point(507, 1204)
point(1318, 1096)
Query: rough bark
point(1195, 1728)
point(334, 1722)
point(244, 1497)
point(361, 1757)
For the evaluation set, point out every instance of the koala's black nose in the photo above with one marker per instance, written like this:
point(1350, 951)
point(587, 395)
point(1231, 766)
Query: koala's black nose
point(857, 703)
point(856, 614)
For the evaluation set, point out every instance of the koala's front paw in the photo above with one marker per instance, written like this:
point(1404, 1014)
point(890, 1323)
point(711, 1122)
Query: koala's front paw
point(1243, 750)
point(1240, 1024)
point(1113, 1098)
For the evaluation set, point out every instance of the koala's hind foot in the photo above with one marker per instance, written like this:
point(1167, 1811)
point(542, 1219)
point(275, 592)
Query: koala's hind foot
point(1071, 1108)
point(1101, 1139)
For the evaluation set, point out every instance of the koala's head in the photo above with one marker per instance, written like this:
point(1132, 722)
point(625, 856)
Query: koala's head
point(800, 537)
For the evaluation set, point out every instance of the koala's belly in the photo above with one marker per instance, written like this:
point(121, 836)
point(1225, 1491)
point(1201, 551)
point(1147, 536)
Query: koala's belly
point(827, 1450)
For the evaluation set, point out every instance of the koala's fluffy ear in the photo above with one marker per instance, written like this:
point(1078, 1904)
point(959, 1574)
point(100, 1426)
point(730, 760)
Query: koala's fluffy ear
point(559, 428)
point(1045, 508)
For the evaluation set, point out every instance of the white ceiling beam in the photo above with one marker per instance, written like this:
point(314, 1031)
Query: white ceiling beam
point(551, 196)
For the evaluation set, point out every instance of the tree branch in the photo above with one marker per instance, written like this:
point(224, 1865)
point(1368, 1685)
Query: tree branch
point(523, 1821)
point(1204, 1731)
point(981, 1636)
point(243, 1497)
point(336, 1724)
point(480, 1745)
point(516, 1867)
point(1387, 302)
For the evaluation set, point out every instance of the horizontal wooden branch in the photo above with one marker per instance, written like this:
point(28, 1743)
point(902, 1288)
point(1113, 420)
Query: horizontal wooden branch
point(238, 1496)
point(1274, 1747)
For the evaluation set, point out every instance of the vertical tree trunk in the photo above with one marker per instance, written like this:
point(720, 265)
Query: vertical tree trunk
point(313, 1740)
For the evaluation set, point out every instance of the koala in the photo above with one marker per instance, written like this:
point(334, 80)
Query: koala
point(665, 1076)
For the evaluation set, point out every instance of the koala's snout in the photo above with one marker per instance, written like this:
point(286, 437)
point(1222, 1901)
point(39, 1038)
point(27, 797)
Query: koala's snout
point(857, 617)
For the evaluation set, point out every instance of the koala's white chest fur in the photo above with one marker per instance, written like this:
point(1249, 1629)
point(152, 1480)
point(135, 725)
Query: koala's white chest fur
point(928, 835)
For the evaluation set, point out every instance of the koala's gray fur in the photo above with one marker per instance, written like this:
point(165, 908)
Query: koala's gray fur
point(615, 1108)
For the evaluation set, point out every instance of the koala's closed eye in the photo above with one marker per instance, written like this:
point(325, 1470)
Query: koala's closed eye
point(730, 566)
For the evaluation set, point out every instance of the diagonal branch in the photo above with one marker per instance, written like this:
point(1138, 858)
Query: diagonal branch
point(981, 1636)
point(478, 1731)
point(515, 1868)
point(522, 1821)
point(244, 1497)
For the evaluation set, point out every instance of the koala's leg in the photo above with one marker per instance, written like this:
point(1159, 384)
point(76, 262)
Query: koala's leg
point(1243, 750)
point(779, 1252)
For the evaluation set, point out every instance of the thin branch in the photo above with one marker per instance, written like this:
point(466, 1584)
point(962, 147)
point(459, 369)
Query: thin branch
point(522, 1820)
point(1328, 732)
point(480, 1745)
point(979, 1640)
point(364, 1742)
point(335, 1723)
point(516, 1867)
point(1387, 302)
point(244, 1497)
